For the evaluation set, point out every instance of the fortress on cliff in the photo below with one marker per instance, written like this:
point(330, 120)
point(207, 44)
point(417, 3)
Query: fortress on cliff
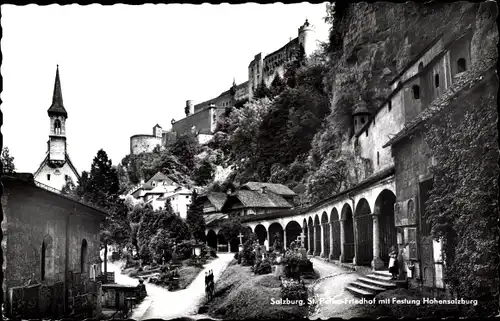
point(201, 118)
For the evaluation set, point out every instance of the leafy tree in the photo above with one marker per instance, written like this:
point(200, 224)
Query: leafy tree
point(232, 227)
point(204, 174)
point(7, 162)
point(277, 85)
point(463, 204)
point(194, 218)
point(69, 186)
point(185, 149)
point(262, 91)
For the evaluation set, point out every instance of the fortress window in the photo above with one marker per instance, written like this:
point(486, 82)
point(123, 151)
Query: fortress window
point(461, 65)
point(355, 121)
point(389, 105)
point(362, 120)
point(378, 158)
point(366, 133)
point(436, 80)
point(416, 91)
point(48, 177)
point(66, 177)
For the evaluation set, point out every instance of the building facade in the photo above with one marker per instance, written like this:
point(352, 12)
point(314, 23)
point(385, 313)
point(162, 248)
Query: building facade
point(51, 251)
point(147, 143)
point(57, 168)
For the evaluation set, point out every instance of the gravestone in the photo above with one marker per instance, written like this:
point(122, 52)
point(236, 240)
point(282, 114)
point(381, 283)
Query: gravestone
point(303, 253)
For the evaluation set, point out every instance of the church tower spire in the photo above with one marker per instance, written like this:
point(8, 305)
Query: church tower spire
point(57, 107)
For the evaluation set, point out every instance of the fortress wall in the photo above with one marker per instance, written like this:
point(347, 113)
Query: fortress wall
point(143, 143)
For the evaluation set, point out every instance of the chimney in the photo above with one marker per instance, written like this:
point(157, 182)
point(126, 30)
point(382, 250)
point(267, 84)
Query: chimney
point(263, 190)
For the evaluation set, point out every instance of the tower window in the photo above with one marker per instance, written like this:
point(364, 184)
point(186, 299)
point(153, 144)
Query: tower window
point(436, 80)
point(366, 133)
point(48, 177)
point(362, 120)
point(461, 65)
point(355, 121)
point(57, 126)
point(378, 158)
point(416, 91)
point(389, 105)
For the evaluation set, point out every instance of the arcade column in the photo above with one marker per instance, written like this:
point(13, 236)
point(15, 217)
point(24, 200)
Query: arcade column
point(377, 263)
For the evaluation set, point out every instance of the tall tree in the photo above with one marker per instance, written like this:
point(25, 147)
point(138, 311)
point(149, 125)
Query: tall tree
point(7, 161)
point(194, 218)
point(185, 149)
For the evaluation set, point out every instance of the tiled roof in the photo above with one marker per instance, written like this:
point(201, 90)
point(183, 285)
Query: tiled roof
point(257, 199)
point(462, 82)
point(159, 176)
point(217, 199)
point(57, 107)
point(213, 218)
point(275, 188)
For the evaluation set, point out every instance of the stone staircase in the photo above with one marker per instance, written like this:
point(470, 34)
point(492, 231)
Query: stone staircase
point(370, 285)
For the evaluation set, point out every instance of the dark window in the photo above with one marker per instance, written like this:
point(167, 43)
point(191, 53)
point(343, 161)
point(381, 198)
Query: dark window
point(48, 177)
point(378, 158)
point(389, 105)
point(366, 133)
point(436, 80)
point(43, 262)
point(66, 177)
point(461, 65)
point(83, 257)
point(362, 120)
point(416, 91)
point(187, 196)
point(355, 121)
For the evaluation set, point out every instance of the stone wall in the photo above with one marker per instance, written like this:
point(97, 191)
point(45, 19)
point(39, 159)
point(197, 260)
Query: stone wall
point(33, 216)
point(144, 143)
point(203, 121)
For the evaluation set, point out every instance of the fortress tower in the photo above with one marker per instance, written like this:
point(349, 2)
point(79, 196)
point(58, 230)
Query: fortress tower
point(56, 168)
point(307, 38)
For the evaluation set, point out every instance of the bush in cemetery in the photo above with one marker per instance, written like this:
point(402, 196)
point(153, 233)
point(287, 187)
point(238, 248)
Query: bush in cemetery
point(263, 267)
point(293, 290)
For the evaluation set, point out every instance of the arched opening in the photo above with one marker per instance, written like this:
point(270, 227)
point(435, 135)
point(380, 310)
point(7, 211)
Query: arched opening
point(378, 159)
point(292, 230)
point(234, 244)
point(42, 274)
point(212, 239)
point(364, 224)
point(222, 245)
point(384, 206)
point(436, 80)
point(326, 235)
point(305, 228)
point(348, 233)
point(84, 257)
point(261, 233)
point(416, 91)
point(276, 235)
point(335, 235)
point(317, 236)
point(311, 236)
point(57, 126)
point(461, 65)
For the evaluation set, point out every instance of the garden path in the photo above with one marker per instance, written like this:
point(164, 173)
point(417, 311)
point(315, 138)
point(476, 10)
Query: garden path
point(330, 288)
point(163, 304)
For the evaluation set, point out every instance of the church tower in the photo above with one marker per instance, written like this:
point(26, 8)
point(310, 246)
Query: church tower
point(57, 168)
point(57, 134)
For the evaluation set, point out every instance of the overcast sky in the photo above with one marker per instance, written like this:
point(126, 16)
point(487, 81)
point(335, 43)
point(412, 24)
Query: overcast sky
point(125, 68)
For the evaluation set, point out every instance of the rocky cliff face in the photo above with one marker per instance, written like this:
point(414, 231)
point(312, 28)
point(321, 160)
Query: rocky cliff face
point(380, 39)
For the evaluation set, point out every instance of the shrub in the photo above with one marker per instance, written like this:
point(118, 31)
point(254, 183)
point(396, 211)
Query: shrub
point(263, 267)
point(184, 250)
point(293, 290)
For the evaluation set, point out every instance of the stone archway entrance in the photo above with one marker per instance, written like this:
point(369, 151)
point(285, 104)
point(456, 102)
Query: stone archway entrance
point(326, 235)
point(348, 233)
point(311, 237)
point(384, 207)
point(292, 231)
point(261, 233)
point(364, 225)
point(275, 233)
point(334, 221)
point(222, 245)
point(212, 239)
point(317, 236)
